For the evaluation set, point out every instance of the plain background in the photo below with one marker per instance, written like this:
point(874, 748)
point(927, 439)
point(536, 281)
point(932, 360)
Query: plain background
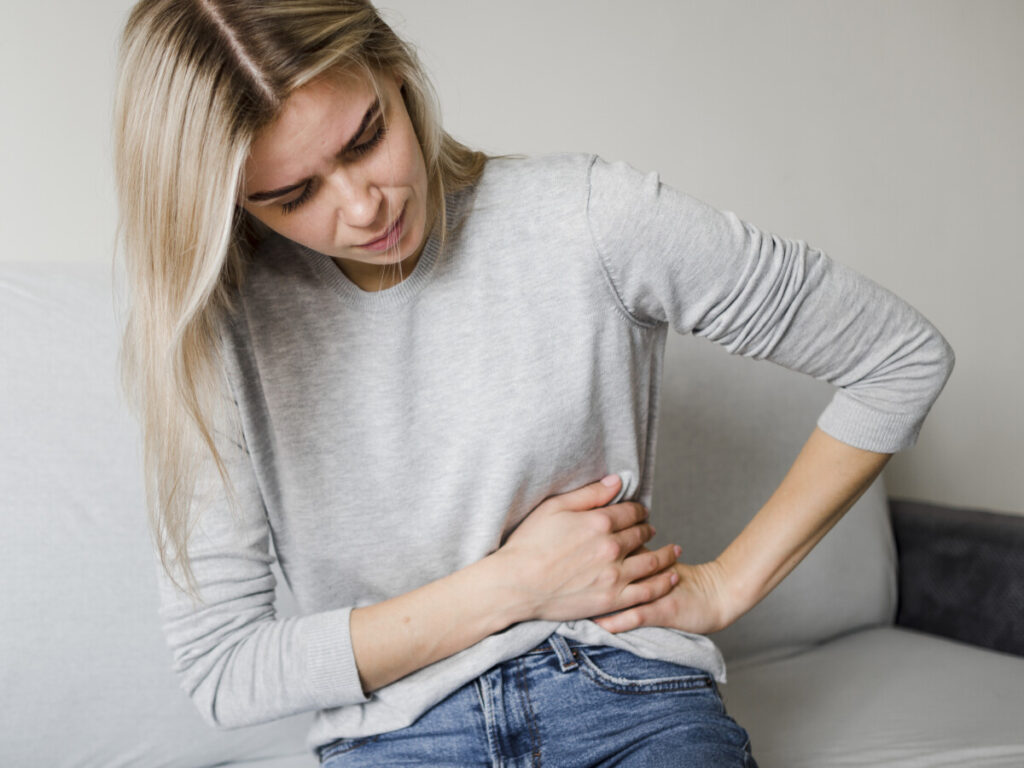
point(885, 132)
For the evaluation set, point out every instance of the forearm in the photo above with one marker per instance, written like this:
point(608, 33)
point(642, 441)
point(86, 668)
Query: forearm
point(825, 480)
point(568, 559)
point(396, 637)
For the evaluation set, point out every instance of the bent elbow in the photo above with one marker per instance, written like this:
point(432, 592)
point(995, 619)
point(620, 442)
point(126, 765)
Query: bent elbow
point(214, 701)
point(950, 357)
point(947, 359)
point(220, 718)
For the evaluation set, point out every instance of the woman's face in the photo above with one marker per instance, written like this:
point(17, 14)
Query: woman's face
point(342, 173)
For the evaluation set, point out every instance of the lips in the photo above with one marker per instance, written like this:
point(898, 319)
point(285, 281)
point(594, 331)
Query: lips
point(382, 240)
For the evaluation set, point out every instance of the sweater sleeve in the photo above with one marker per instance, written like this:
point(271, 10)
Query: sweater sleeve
point(240, 664)
point(671, 258)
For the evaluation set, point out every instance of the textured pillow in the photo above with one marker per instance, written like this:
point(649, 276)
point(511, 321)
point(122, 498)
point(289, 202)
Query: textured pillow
point(85, 673)
point(729, 429)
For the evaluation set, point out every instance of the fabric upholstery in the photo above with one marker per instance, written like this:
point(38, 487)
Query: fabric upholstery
point(883, 697)
point(730, 428)
point(814, 674)
point(84, 669)
point(961, 573)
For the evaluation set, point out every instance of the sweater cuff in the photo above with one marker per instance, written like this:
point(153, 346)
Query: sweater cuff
point(331, 664)
point(861, 426)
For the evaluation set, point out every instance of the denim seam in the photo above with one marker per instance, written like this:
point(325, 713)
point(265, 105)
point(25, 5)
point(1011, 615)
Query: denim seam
point(531, 717)
point(484, 692)
point(652, 685)
point(327, 753)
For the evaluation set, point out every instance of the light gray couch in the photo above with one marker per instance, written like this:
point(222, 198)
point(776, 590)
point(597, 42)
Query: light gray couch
point(818, 673)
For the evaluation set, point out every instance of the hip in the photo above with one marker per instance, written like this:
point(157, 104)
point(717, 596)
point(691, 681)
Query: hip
point(565, 703)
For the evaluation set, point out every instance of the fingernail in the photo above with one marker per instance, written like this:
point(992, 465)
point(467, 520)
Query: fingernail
point(610, 480)
point(678, 550)
point(674, 578)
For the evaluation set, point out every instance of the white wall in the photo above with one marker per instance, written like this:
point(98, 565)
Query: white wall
point(886, 132)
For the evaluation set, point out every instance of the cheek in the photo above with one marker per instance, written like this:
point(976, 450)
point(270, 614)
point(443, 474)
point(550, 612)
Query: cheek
point(401, 161)
point(312, 225)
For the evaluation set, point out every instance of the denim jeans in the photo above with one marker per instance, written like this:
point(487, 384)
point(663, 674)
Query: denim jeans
point(565, 705)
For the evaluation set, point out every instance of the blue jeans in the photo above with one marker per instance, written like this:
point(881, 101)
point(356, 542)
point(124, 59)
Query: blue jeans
point(565, 705)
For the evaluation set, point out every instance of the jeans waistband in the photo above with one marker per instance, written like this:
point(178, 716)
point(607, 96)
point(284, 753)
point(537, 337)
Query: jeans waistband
point(546, 646)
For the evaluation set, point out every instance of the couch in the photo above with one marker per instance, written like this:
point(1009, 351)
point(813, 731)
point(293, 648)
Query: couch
point(821, 673)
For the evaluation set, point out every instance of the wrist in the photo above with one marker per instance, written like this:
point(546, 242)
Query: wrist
point(496, 575)
point(735, 597)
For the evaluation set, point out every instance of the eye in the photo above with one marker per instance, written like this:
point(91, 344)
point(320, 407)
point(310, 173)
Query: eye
point(361, 149)
point(291, 205)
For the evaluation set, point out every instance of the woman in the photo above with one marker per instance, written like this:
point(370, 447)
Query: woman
point(410, 364)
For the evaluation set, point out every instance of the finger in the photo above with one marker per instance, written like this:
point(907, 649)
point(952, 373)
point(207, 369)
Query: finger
point(647, 614)
point(626, 514)
point(631, 538)
point(622, 621)
point(648, 563)
point(648, 590)
point(638, 550)
point(590, 496)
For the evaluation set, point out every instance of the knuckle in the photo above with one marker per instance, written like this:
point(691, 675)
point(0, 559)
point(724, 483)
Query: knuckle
point(602, 522)
point(612, 550)
point(608, 576)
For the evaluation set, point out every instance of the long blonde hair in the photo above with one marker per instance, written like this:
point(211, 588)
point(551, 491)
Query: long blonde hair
point(198, 80)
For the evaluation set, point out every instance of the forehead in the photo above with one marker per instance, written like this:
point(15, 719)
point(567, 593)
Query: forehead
point(313, 124)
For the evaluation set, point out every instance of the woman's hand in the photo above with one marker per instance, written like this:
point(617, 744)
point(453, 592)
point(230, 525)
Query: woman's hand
point(573, 558)
point(700, 602)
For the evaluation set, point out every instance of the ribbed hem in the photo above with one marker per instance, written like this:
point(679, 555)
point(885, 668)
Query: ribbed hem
point(330, 662)
point(395, 296)
point(862, 427)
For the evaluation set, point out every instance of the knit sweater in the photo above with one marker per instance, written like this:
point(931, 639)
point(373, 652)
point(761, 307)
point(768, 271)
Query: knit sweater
point(390, 438)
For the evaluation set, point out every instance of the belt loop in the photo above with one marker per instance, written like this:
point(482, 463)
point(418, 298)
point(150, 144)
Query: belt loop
point(566, 659)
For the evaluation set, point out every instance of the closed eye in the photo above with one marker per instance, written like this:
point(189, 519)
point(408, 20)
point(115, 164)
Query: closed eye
point(291, 205)
point(355, 151)
point(361, 149)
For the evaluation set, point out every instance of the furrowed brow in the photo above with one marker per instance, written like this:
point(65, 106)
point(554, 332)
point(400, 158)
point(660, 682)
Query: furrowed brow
point(371, 113)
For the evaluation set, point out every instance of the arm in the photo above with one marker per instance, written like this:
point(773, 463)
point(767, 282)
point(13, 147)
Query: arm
point(825, 480)
point(674, 259)
point(561, 563)
point(241, 665)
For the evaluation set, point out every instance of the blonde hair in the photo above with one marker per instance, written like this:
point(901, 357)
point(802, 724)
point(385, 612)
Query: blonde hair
point(198, 80)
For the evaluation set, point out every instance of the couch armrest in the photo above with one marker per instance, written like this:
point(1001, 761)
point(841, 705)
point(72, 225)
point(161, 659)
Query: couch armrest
point(961, 573)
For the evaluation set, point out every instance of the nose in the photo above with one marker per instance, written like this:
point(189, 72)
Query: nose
point(358, 198)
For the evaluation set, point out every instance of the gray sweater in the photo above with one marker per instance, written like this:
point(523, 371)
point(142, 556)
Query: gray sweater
point(390, 438)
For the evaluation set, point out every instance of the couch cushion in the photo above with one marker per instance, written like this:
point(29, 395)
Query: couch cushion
point(730, 428)
point(85, 673)
point(885, 696)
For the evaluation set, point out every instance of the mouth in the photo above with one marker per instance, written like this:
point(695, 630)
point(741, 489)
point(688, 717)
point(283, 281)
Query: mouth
point(390, 237)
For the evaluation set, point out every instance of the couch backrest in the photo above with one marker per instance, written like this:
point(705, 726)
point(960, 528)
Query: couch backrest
point(85, 673)
point(729, 429)
point(82, 658)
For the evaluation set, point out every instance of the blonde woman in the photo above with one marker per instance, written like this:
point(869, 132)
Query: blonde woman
point(430, 377)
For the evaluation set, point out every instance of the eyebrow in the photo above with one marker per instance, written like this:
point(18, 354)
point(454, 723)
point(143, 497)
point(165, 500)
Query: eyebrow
point(371, 113)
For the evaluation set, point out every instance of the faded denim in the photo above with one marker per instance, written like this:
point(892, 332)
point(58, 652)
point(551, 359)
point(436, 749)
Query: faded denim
point(566, 705)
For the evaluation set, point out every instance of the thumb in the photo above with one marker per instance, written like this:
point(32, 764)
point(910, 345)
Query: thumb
point(590, 496)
